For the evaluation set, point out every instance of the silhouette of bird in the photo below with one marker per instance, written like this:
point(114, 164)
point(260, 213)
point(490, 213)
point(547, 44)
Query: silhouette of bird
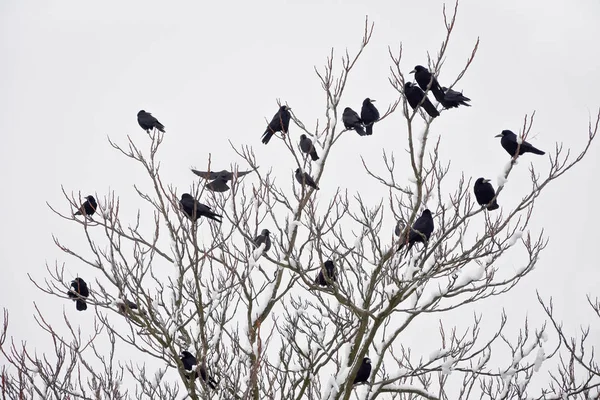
point(226, 175)
point(364, 371)
point(125, 305)
point(79, 293)
point(510, 144)
point(306, 145)
point(423, 77)
point(304, 178)
point(218, 185)
point(279, 123)
point(398, 228)
point(351, 120)
point(420, 232)
point(414, 94)
point(329, 273)
point(453, 99)
point(88, 207)
point(148, 122)
point(194, 209)
point(190, 362)
point(484, 193)
point(369, 115)
point(263, 238)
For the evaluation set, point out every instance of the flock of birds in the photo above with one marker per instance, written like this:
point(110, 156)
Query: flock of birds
point(420, 232)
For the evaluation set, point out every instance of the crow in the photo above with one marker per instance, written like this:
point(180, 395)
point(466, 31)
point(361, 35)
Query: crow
point(125, 305)
point(398, 228)
point(364, 372)
point(351, 120)
point(88, 207)
point(148, 122)
point(306, 145)
point(414, 95)
point(329, 274)
point(510, 144)
point(304, 178)
point(263, 238)
point(79, 293)
point(484, 193)
point(453, 99)
point(369, 115)
point(420, 232)
point(218, 185)
point(189, 363)
point(423, 77)
point(224, 174)
point(279, 123)
point(194, 209)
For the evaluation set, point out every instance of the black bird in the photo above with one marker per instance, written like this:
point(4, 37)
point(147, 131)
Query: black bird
point(329, 273)
point(226, 175)
point(420, 232)
point(453, 99)
point(351, 120)
point(88, 207)
point(218, 185)
point(423, 77)
point(414, 95)
point(189, 361)
point(79, 293)
point(263, 238)
point(364, 372)
point(369, 115)
point(304, 178)
point(509, 142)
point(279, 123)
point(125, 305)
point(484, 193)
point(398, 229)
point(194, 209)
point(307, 146)
point(148, 122)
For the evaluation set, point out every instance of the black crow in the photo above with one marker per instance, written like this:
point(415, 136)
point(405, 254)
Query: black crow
point(351, 120)
point(79, 293)
point(224, 174)
point(423, 77)
point(484, 193)
point(190, 362)
point(414, 94)
point(304, 178)
point(420, 232)
point(279, 123)
point(509, 142)
point(307, 146)
point(398, 228)
point(88, 207)
point(125, 305)
point(148, 122)
point(453, 99)
point(364, 372)
point(218, 185)
point(263, 238)
point(194, 209)
point(329, 273)
point(369, 115)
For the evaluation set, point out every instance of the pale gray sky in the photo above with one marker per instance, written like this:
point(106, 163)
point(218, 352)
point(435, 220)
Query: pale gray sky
point(74, 72)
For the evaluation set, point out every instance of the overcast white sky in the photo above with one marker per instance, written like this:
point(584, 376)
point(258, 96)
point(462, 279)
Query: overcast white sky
point(73, 72)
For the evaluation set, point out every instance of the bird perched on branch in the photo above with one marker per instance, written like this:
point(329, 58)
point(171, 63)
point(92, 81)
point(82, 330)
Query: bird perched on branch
point(424, 77)
point(453, 99)
point(88, 208)
point(351, 120)
point(194, 209)
point(189, 364)
point(148, 122)
point(484, 193)
point(329, 276)
point(510, 143)
point(263, 238)
point(420, 232)
point(79, 293)
point(304, 178)
point(307, 146)
point(364, 371)
point(279, 123)
point(369, 115)
point(414, 95)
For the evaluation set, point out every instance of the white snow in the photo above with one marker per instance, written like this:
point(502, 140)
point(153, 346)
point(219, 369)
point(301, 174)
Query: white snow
point(437, 354)
point(429, 263)
point(291, 227)
point(544, 336)
point(412, 389)
point(501, 180)
point(447, 365)
point(539, 359)
point(468, 274)
point(257, 253)
point(262, 301)
point(390, 290)
point(432, 294)
point(516, 236)
point(519, 139)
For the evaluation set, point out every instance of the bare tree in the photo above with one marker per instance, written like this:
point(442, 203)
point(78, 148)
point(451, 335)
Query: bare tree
point(256, 319)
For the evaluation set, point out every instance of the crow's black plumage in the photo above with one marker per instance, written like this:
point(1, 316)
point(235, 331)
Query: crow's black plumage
point(484, 193)
point(263, 238)
point(304, 178)
point(279, 123)
point(510, 144)
point(218, 185)
point(369, 115)
point(307, 146)
point(414, 94)
point(190, 362)
point(148, 122)
point(398, 228)
point(79, 292)
point(194, 209)
point(88, 207)
point(330, 275)
point(351, 120)
point(124, 305)
point(453, 99)
point(364, 371)
point(420, 232)
point(224, 174)
point(423, 77)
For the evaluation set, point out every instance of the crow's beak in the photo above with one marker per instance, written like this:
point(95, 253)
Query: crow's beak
point(412, 72)
point(288, 108)
point(373, 101)
point(500, 135)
